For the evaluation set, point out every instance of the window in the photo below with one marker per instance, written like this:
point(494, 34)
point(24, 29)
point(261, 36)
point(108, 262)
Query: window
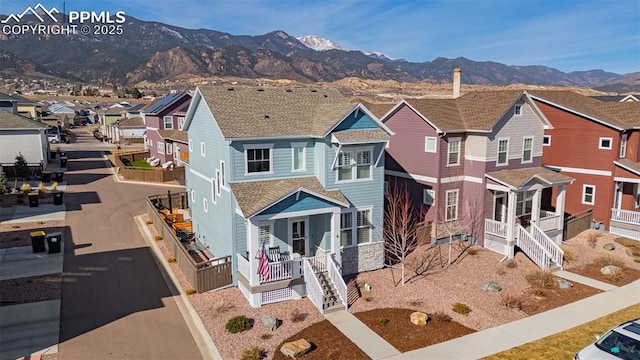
point(264, 234)
point(524, 203)
point(298, 158)
point(214, 191)
point(346, 228)
point(205, 205)
point(193, 195)
point(223, 182)
point(428, 196)
point(169, 148)
point(386, 187)
point(190, 146)
point(517, 110)
point(452, 205)
point(453, 152)
point(588, 194)
point(503, 152)
point(430, 144)
point(218, 182)
point(623, 146)
point(546, 140)
point(258, 160)
point(180, 123)
point(160, 147)
point(527, 149)
point(354, 169)
point(168, 122)
point(364, 226)
point(605, 143)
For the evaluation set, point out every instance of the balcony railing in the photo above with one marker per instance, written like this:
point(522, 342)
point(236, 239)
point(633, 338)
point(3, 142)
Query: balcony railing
point(626, 216)
point(496, 228)
point(549, 221)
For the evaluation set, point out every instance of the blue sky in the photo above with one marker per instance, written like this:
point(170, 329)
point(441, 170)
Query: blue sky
point(566, 35)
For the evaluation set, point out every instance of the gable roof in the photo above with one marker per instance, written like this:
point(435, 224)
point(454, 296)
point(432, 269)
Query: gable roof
point(517, 178)
point(251, 112)
point(629, 165)
point(131, 122)
point(165, 102)
point(175, 135)
point(10, 121)
point(377, 109)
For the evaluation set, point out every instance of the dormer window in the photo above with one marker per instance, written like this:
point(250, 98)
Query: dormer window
point(168, 122)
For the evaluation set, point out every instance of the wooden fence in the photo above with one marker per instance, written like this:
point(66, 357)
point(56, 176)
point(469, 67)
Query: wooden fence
point(204, 276)
point(156, 174)
point(32, 170)
point(575, 224)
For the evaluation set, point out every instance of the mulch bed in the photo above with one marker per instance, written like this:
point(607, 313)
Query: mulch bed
point(30, 289)
point(8, 200)
point(627, 276)
point(327, 342)
point(536, 300)
point(404, 335)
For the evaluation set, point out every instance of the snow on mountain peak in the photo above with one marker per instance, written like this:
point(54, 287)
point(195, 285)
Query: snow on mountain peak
point(319, 43)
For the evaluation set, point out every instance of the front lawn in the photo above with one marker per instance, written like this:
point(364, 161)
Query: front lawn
point(140, 164)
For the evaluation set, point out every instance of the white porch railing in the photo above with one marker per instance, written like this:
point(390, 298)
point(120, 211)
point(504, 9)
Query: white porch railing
point(281, 270)
point(549, 221)
point(314, 290)
point(553, 250)
point(318, 263)
point(338, 281)
point(627, 216)
point(244, 267)
point(496, 228)
point(528, 244)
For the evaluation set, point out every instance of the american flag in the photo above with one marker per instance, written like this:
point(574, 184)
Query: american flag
point(263, 266)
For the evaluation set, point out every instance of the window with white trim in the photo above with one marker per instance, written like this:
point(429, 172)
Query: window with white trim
point(517, 110)
point(205, 205)
point(223, 181)
point(364, 226)
point(588, 194)
point(202, 149)
point(527, 149)
point(354, 164)
point(453, 152)
point(503, 152)
point(430, 143)
point(181, 123)
point(428, 196)
point(623, 146)
point(605, 143)
point(546, 140)
point(265, 231)
point(168, 122)
point(346, 228)
point(214, 191)
point(193, 196)
point(298, 158)
point(160, 147)
point(218, 182)
point(169, 148)
point(190, 146)
point(451, 211)
point(524, 202)
point(258, 160)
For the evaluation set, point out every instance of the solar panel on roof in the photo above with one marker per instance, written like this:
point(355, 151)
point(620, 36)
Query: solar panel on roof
point(163, 102)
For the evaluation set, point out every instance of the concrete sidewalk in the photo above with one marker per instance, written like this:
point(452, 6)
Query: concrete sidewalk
point(365, 338)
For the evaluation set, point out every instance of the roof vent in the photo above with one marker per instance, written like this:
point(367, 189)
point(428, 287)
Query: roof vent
point(230, 89)
point(289, 90)
point(325, 95)
point(260, 89)
point(267, 116)
point(314, 90)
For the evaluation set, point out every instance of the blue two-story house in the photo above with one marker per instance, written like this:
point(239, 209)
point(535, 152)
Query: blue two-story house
point(294, 176)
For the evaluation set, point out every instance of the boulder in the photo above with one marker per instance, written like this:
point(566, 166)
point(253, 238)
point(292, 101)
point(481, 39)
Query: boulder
point(610, 270)
point(564, 284)
point(419, 318)
point(609, 246)
point(490, 286)
point(270, 322)
point(296, 348)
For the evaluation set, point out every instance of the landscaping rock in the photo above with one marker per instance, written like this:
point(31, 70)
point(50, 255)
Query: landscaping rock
point(419, 318)
point(609, 246)
point(296, 348)
point(564, 284)
point(610, 270)
point(270, 322)
point(491, 286)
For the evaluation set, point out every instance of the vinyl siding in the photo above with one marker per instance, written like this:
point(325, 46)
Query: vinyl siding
point(357, 120)
point(515, 128)
point(476, 146)
point(282, 159)
point(31, 143)
point(301, 202)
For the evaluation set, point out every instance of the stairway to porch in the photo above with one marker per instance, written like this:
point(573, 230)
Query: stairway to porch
point(326, 287)
point(539, 247)
point(331, 300)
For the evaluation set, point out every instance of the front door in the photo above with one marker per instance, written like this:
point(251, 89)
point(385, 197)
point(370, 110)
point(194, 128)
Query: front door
point(499, 209)
point(298, 236)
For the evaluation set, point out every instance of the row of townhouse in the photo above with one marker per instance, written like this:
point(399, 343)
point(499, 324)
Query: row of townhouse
point(300, 174)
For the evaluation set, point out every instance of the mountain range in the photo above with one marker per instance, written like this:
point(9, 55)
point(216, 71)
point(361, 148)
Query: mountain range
point(155, 52)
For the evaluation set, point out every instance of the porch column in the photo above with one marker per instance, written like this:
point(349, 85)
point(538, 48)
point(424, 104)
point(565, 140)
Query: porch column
point(511, 224)
point(253, 247)
point(335, 235)
point(560, 201)
point(535, 206)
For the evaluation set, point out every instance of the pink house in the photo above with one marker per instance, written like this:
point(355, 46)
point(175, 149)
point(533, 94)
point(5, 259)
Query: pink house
point(164, 120)
point(474, 162)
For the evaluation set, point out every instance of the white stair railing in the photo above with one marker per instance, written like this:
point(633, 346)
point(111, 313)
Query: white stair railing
point(549, 221)
point(528, 244)
point(494, 227)
point(336, 277)
point(553, 250)
point(312, 285)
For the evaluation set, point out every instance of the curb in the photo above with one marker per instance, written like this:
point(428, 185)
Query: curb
point(202, 338)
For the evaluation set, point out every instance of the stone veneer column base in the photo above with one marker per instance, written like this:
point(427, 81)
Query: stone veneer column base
point(364, 257)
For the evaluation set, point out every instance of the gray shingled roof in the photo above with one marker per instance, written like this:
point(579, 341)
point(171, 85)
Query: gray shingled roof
point(476, 110)
point(630, 164)
point(256, 196)
point(10, 121)
point(135, 121)
point(263, 112)
point(377, 109)
point(348, 136)
point(177, 135)
point(517, 178)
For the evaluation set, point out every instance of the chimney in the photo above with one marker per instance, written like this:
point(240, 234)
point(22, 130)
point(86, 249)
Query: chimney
point(456, 82)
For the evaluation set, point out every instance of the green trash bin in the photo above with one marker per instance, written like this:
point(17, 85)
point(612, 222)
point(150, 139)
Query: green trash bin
point(37, 241)
point(54, 241)
point(57, 197)
point(33, 199)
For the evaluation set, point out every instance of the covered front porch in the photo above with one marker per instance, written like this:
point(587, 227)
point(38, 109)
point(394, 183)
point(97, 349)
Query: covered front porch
point(517, 217)
point(625, 214)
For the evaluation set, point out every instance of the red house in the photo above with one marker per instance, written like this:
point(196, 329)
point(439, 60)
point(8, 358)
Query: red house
point(164, 120)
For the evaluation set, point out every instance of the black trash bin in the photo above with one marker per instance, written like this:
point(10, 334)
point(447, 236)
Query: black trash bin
point(46, 175)
point(53, 242)
point(63, 154)
point(57, 197)
point(63, 161)
point(52, 155)
point(33, 199)
point(37, 241)
point(59, 176)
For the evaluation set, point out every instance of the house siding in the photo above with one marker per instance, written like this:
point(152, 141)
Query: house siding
point(357, 120)
point(32, 144)
point(282, 159)
point(301, 202)
point(516, 128)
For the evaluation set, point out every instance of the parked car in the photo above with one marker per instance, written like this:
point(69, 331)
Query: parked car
point(621, 342)
point(54, 137)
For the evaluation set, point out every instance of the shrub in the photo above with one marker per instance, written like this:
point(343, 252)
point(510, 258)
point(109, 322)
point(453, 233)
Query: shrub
point(171, 259)
point(148, 222)
point(542, 279)
point(368, 299)
point(382, 320)
point(158, 237)
point(606, 260)
point(222, 306)
point(511, 301)
point(297, 316)
point(472, 251)
point(569, 254)
point(440, 317)
point(461, 308)
point(266, 336)
point(511, 264)
point(254, 353)
point(593, 239)
point(541, 293)
point(238, 324)
point(414, 301)
point(190, 291)
point(633, 246)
